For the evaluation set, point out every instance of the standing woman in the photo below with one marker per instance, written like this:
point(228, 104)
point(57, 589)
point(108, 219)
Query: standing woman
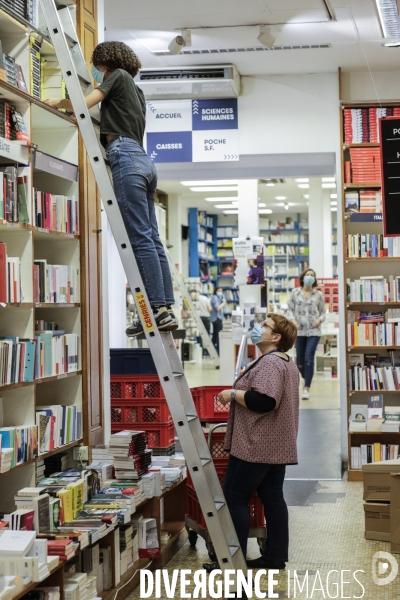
point(217, 314)
point(307, 311)
point(123, 120)
point(261, 437)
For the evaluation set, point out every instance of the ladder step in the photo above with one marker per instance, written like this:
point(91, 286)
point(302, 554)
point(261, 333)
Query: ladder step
point(191, 417)
point(205, 461)
point(177, 375)
point(233, 549)
point(219, 505)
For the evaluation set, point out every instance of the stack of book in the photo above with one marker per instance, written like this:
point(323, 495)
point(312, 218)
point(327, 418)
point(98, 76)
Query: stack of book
point(56, 212)
point(61, 548)
point(55, 464)
point(57, 352)
point(370, 453)
point(365, 165)
point(53, 85)
point(55, 284)
point(130, 457)
point(17, 360)
point(35, 65)
point(361, 125)
point(134, 488)
point(32, 10)
point(374, 288)
point(6, 459)
point(58, 425)
point(14, 196)
point(19, 7)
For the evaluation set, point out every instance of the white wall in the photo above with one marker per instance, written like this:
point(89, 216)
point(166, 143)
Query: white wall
point(361, 86)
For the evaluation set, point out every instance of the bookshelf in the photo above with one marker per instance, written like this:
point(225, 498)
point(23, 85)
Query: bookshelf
point(364, 247)
point(202, 244)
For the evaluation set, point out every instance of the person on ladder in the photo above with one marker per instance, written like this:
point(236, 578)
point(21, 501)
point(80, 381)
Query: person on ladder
point(123, 120)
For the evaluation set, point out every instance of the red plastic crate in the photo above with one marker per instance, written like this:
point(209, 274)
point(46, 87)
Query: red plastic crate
point(257, 518)
point(140, 387)
point(208, 407)
point(140, 411)
point(160, 435)
point(217, 446)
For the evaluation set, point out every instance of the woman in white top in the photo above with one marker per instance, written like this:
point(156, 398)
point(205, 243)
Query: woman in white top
point(307, 311)
point(204, 312)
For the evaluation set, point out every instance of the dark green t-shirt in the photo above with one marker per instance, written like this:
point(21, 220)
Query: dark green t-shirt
point(123, 110)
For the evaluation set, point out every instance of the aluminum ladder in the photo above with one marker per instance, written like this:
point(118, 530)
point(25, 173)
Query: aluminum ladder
point(205, 338)
point(169, 367)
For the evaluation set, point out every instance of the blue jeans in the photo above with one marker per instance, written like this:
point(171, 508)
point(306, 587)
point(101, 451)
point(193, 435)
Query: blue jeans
point(305, 351)
point(242, 479)
point(135, 182)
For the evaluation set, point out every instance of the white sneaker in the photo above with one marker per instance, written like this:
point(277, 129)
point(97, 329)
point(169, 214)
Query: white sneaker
point(305, 395)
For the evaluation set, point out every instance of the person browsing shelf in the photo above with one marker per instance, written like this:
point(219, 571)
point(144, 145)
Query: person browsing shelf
point(307, 311)
point(217, 314)
point(123, 119)
point(261, 438)
point(204, 313)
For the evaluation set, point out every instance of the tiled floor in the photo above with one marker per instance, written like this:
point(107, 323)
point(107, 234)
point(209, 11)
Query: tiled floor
point(326, 526)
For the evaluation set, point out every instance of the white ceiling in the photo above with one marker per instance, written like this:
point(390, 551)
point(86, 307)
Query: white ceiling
point(355, 34)
point(267, 195)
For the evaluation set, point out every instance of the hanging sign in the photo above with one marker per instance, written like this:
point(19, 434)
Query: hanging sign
point(249, 260)
point(390, 166)
point(192, 130)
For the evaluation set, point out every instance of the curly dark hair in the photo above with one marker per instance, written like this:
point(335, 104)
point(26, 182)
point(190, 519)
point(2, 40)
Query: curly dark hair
point(116, 55)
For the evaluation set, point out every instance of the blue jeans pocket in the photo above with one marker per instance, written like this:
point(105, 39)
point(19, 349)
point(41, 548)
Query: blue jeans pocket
point(142, 164)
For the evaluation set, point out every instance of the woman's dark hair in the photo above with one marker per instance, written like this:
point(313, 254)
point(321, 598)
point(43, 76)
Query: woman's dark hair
point(286, 329)
point(303, 274)
point(217, 287)
point(116, 55)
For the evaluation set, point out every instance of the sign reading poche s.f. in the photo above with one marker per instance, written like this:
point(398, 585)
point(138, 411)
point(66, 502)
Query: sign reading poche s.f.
point(192, 130)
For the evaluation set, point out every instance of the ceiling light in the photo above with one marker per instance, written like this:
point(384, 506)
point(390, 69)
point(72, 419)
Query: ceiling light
point(226, 205)
point(280, 204)
point(328, 179)
point(391, 44)
point(222, 199)
point(333, 196)
point(303, 186)
point(265, 211)
point(389, 18)
point(303, 180)
point(231, 212)
point(286, 206)
point(333, 202)
point(261, 205)
point(280, 197)
point(211, 188)
point(211, 182)
point(177, 44)
point(334, 208)
point(270, 184)
point(306, 196)
point(329, 185)
point(265, 37)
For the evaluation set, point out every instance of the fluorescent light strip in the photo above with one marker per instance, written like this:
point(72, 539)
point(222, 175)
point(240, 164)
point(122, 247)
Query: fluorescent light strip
point(329, 185)
point(303, 186)
point(328, 179)
point(225, 205)
point(231, 212)
point(211, 182)
point(302, 180)
point(389, 18)
point(211, 188)
point(222, 199)
point(265, 211)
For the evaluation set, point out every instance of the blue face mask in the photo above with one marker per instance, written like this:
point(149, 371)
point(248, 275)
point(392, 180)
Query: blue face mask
point(309, 280)
point(256, 334)
point(98, 76)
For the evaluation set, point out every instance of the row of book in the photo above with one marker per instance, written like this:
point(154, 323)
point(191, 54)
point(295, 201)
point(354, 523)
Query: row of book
point(58, 425)
point(370, 453)
point(17, 445)
point(49, 353)
point(371, 246)
point(52, 81)
point(14, 196)
point(224, 253)
point(361, 125)
point(228, 231)
point(12, 124)
point(55, 284)
point(286, 250)
point(55, 212)
point(374, 378)
point(363, 201)
point(10, 277)
point(278, 238)
point(203, 219)
point(364, 166)
point(364, 333)
point(205, 249)
point(35, 44)
point(374, 288)
point(204, 233)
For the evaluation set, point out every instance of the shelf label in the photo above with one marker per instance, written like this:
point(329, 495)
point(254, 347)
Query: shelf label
point(390, 162)
point(15, 151)
point(55, 166)
point(366, 217)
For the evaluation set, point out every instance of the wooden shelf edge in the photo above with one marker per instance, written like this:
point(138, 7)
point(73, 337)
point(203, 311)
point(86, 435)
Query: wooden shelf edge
point(58, 305)
point(355, 475)
point(352, 392)
point(373, 432)
point(371, 259)
point(373, 348)
point(60, 449)
point(25, 464)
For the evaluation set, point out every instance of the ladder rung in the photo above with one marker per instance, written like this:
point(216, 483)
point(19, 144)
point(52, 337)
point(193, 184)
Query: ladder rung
point(205, 461)
point(191, 417)
point(219, 505)
point(233, 550)
point(177, 375)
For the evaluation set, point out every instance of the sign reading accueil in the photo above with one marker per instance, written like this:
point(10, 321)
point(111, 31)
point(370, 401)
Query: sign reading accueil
point(192, 130)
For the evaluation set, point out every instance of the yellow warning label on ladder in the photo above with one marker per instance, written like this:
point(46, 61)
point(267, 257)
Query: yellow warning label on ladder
point(141, 303)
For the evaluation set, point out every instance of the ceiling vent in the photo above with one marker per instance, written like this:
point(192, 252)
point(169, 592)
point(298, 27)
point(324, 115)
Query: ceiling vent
point(248, 49)
point(214, 81)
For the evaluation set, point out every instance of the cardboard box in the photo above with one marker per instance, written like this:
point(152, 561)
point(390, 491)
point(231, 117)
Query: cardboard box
point(377, 521)
point(395, 513)
point(377, 480)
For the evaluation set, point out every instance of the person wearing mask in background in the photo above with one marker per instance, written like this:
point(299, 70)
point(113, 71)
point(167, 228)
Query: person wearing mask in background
point(307, 311)
point(123, 120)
point(217, 315)
point(204, 312)
point(261, 437)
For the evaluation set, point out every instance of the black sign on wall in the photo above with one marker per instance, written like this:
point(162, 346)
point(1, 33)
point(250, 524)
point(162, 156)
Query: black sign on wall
point(390, 165)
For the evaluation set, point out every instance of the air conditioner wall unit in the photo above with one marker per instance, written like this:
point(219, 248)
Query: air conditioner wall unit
point(213, 81)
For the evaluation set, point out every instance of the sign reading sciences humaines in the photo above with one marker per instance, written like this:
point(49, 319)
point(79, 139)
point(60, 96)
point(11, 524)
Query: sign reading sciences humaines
point(192, 130)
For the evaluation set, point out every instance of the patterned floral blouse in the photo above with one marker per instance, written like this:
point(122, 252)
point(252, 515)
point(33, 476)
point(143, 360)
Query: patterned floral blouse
point(306, 311)
point(266, 437)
